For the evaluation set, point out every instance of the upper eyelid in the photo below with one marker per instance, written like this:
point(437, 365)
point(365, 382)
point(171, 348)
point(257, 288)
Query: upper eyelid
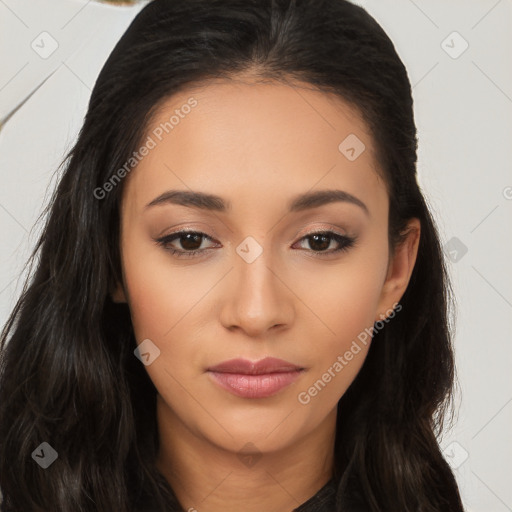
point(184, 232)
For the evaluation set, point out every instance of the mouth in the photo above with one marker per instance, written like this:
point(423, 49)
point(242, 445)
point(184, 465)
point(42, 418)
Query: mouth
point(260, 379)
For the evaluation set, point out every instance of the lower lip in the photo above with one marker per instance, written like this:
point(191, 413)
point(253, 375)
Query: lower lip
point(255, 386)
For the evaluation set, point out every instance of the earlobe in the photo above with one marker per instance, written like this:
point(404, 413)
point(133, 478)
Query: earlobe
point(400, 269)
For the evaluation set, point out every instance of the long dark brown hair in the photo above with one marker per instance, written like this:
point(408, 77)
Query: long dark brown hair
point(68, 375)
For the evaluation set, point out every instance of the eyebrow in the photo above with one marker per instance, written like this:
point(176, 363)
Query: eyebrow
point(194, 199)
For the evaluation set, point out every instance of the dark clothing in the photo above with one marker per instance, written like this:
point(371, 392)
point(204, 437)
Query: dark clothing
point(323, 501)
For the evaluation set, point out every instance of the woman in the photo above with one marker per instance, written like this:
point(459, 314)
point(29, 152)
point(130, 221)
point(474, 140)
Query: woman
point(240, 300)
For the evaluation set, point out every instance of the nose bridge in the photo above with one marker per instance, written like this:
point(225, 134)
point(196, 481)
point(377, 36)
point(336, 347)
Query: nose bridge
point(258, 299)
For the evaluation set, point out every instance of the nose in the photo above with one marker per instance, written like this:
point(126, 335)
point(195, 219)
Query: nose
point(257, 298)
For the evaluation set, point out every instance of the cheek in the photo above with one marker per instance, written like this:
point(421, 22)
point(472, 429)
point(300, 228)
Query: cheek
point(162, 295)
point(168, 305)
point(344, 298)
point(345, 306)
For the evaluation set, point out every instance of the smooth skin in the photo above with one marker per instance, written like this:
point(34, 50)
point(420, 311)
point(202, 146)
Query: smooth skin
point(257, 146)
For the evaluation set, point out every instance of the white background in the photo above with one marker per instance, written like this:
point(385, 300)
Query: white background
point(463, 108)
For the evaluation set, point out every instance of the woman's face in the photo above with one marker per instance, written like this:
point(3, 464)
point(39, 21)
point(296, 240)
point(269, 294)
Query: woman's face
point(261, 284)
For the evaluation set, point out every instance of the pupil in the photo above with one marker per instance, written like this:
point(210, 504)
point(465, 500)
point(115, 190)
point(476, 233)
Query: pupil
point(189, 241)
point(321, 246)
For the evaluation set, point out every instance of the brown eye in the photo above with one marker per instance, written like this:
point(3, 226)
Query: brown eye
point(320, 242)
point(189, 243)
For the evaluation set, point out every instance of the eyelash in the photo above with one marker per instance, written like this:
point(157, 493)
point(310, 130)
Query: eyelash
point(345, 242)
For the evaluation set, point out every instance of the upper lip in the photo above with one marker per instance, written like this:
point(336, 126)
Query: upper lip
point(263, 366)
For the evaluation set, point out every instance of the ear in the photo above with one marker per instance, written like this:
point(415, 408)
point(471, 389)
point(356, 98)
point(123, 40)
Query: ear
point(400, 269)
point(117, 293)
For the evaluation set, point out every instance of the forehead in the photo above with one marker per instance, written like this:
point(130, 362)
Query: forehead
point(237, 137)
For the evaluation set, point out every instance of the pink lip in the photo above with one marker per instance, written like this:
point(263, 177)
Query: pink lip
point(258, 379)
